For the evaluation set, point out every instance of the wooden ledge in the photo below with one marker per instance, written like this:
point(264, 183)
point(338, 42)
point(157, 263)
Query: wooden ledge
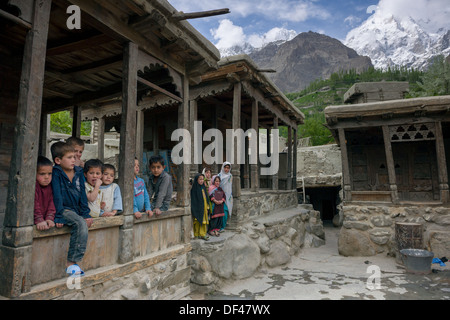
point(109, 222)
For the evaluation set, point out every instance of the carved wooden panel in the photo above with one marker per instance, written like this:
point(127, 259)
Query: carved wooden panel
point(413, 132)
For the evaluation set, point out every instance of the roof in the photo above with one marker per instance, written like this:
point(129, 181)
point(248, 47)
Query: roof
point(361, 88)
point(85, 66)
point(244, 68)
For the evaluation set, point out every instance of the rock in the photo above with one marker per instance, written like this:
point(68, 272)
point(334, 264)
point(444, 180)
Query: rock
point(264, 243)
point(240, 257)
point(278, 254)
point(354, 243)
point(381, 221)
point(380, 236)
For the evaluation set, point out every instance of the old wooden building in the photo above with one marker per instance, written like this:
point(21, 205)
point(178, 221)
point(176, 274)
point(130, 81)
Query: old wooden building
point(395, 166)
point(239, 95)
point(124, 53)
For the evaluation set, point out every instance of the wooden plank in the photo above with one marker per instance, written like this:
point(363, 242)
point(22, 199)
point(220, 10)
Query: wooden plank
point(79, 45)
point(345, 165)
point(442, 164)
point(158, 88)
point(15, 19)
point(195, 15)
point(254, 176)
point(390, 163)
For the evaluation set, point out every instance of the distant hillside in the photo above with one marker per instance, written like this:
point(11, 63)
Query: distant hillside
point(306, 58)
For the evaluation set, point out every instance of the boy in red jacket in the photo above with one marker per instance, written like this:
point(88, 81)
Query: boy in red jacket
point(44, 208)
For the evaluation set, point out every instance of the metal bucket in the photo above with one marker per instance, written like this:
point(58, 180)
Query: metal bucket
point(417, 261)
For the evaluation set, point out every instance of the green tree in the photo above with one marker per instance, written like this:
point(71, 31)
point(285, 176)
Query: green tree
point(314, 128)
point(435, 81)
point(61, 122)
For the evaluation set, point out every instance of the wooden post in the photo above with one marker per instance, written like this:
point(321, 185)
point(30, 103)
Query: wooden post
point(44, 147)
point(275, 184)
point(294, 169)
point(128, 149)
point(140, 138)
point(390, 164)
point(236, 168)
point(76, 123)
point(247, 159)
point(254, 177)
point(193, 114)
point(289, 165)
point(345, 166)
point(155, 136)
point(17, 239)
point(101, 138)
point(183, 196)
point(442, 164)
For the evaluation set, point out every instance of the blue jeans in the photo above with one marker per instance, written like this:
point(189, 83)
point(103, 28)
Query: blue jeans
point(78, 235)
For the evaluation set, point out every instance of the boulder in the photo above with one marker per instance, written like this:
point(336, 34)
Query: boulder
point(355, 243)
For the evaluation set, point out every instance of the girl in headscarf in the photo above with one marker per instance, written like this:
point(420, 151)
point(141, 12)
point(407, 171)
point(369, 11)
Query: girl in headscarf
point(207, 174)
point(226, 181)
point(217, 196)
point(199, 207)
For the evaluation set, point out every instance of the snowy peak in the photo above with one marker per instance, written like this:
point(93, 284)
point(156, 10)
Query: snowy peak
point(393, 41)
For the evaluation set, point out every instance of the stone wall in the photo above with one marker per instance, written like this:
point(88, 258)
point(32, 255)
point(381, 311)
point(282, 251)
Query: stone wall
point(265, 242)
point(251, 205)
point(369, 230)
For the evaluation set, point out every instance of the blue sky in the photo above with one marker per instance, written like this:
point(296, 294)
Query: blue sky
point(253, 20)
point(256, 17)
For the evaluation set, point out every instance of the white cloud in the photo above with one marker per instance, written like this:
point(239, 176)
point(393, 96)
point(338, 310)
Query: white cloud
point(352, 21)
point(287, 10)
point(229, 35)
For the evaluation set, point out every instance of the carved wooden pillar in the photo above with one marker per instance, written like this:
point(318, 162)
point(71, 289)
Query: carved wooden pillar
point(390, 164)
point(195, 158)
point(101, 139)
point(183, 188)
point(345, 166)
point(17, 239)
point(254, 175)
point(442, 164)
point(76, 122)
point(294, 164)
point(128, 149)
point(275, 183)
point(289, 160)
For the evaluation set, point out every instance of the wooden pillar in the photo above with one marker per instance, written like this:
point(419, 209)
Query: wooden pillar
point(101, 138)
point(275, 184)
point(76, 123)
point(390, 164)
point(183, 188)
point(193, 116)
point(44, 146)
point(254, 174)
point(345, 166)
point(442, 164)
point(247, 159)
point(294, 161)
point(289, 160)
point(155, 136)
point(236, 168)
point(128, 149)
point(17, 239)
point(140, 138)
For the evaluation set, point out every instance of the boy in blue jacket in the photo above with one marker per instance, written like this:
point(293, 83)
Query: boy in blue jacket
point(71, 203)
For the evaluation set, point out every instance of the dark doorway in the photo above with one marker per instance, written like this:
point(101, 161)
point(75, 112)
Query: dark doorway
point(324, 200)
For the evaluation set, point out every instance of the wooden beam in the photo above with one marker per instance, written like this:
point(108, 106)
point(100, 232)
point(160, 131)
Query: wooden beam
point(94, 67)
point(202, 14)
point(79, 45)
point(158, 88)
point(15, 19)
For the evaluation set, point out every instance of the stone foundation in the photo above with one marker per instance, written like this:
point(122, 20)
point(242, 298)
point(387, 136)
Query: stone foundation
point(265, 242)
point(251, 205)
point(369, 230)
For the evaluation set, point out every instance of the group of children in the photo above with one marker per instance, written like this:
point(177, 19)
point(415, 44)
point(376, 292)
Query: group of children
point(211, 202)
point(72, 192)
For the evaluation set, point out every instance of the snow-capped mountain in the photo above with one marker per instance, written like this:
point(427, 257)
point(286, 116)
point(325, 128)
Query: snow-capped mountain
point(398, 41)
point(276, 36)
